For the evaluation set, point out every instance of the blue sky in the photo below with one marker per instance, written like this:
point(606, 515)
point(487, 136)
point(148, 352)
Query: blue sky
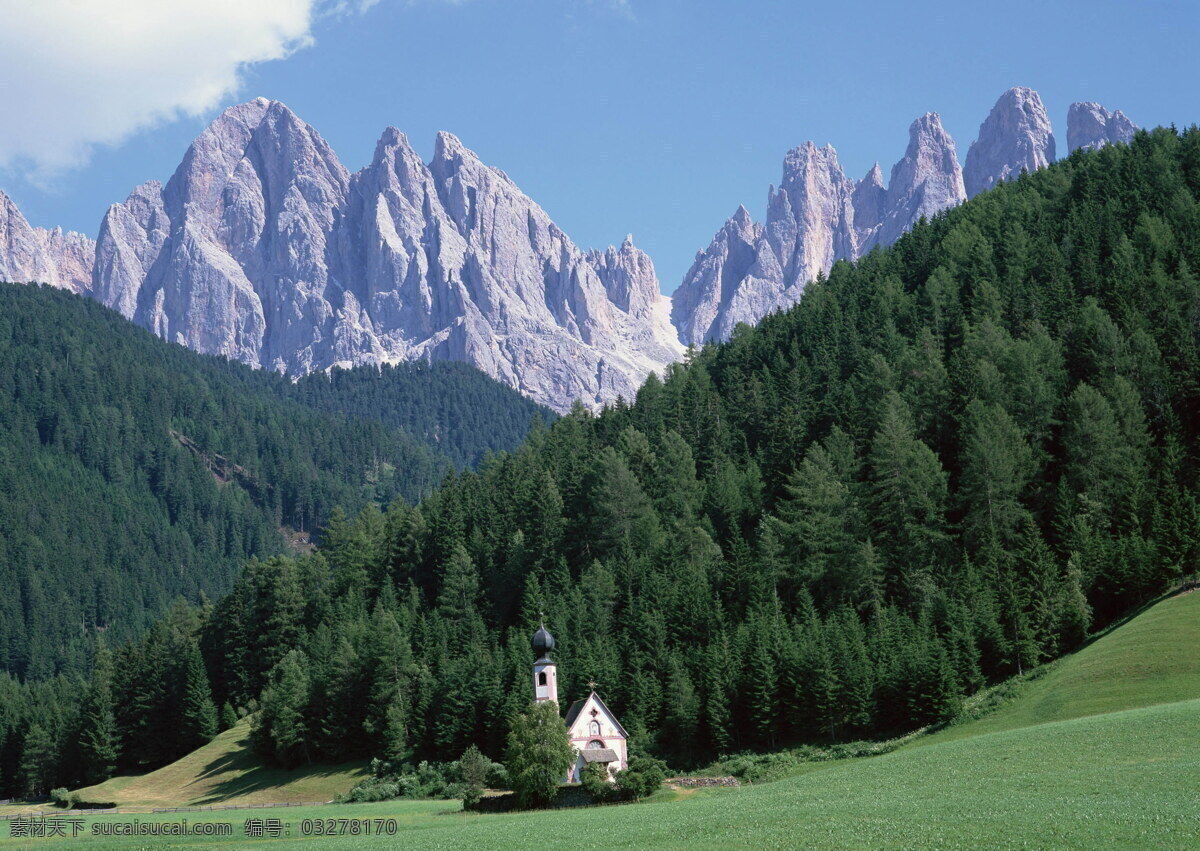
point(655, 117)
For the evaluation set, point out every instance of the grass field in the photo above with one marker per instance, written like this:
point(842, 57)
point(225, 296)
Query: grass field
point(1103, 751)
point(223, 772)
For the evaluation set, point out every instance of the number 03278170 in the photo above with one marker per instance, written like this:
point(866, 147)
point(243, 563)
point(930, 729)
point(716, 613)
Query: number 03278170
point(348, 827)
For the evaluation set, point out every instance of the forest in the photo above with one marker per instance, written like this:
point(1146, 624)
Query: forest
point(950, 462)
point(134, 471)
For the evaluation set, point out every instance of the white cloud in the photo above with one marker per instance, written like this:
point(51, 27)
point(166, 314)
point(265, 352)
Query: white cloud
point(77, 73)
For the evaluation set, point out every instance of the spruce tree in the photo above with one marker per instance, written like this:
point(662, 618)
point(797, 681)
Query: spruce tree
point(198, 722)
point(38, 761)
point(99, 740)
point(281, 729)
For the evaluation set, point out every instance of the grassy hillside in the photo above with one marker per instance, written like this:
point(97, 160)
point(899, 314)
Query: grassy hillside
point(1150, 660)
point(1099, 752)
point(225, 771)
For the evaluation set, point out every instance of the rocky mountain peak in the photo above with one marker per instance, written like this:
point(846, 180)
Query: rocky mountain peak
point(628, 276)
point(1015, 137)
point(870, 205)
point(263, 248)
point(31, 254)
point(1089, 125)
point(703, 307)
point(925, 181)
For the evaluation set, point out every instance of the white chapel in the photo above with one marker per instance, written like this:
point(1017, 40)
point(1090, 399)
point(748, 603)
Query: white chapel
point(594, 730)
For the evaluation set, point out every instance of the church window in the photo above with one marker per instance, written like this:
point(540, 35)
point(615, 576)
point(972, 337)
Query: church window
point(595, 745)
point(594, 728)
point(541, 678)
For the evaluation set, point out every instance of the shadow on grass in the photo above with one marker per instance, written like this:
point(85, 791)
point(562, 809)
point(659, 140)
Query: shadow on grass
point(257, 777)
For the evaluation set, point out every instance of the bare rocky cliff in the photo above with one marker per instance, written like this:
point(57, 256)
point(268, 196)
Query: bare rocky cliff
point(1015, 137)
point(27, 254)
point(263, 248)
point(1089, 125)
point(816, 217)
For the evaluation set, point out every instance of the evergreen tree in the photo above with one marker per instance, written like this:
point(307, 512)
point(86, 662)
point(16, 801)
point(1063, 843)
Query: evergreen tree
point(280, 730)
point(38, 762)
point(99, 739)
point(199, 717)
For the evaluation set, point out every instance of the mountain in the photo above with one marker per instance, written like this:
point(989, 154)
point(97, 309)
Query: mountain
point(135, 471)
point(718, 291)
point(263, 248)
point(47, 256)
point(1089, 125)
point(1015, 137)
point(816, 217)
point(923, 183)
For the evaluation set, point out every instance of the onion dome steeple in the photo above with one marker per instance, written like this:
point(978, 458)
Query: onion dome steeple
point(543, 642)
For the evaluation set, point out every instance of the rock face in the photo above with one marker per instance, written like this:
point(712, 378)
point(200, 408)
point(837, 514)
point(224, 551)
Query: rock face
point(704, 307)
point(924, 182)
point(46, 256)
point(1089, 125)
point(131, 237)
point(1015, 137)
point(815, 218)
point(749, 270)
point(263, 248)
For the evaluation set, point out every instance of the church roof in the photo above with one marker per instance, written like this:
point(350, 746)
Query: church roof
point(599, 755)
point(578, 705)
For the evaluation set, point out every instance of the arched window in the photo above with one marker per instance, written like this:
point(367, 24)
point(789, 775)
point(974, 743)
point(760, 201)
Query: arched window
point(595, 745)
point(541, 678)
point(594, 728)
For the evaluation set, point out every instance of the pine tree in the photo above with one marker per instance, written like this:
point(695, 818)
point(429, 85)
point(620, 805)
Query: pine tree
point(280, 729)
point(997, 465)
point(38, 761)
point(908, 493)
point(198, 721)
point(99, 740)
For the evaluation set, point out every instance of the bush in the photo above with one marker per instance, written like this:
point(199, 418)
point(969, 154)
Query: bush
point(64, 798)
point(765, 767)
point(643, 778)
point(445, 780)
point(596, 781)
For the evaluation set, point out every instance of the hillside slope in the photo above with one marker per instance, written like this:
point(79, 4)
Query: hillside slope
point(952, 461)
point(1148, 661)
point(225, 772)
point(134, 470)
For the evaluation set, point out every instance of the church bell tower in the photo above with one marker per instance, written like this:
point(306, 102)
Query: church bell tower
point(545, 672)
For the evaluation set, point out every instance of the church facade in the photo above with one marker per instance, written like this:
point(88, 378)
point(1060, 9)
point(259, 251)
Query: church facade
point(594, 730)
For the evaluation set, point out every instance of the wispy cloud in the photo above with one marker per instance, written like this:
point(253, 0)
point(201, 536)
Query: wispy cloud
point(74, 75)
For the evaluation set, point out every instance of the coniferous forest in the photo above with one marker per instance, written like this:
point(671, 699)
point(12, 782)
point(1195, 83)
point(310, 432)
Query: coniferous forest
point(950, 462)
point(134, 470)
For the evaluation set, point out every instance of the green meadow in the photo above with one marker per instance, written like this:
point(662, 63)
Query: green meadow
point(1101, 751)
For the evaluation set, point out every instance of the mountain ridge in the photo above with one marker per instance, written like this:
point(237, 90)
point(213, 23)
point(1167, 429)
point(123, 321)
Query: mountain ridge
point(264, 248)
